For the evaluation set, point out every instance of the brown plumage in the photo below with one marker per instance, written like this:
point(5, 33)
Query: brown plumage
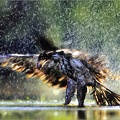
point(71, 69)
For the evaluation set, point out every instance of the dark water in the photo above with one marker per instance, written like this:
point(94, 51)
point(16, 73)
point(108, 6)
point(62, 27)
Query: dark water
point(35, 111)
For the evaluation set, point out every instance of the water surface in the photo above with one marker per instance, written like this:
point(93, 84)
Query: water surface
point(53, 111)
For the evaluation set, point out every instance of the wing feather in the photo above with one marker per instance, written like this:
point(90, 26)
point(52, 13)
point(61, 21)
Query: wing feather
point(49, 71)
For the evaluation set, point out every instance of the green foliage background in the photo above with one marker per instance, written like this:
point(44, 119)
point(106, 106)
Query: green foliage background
point(88, 25)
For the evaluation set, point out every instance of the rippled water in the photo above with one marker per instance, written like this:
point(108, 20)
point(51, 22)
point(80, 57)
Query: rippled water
point(22, 110)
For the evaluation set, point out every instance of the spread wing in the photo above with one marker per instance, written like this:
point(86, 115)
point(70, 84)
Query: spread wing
point(27, 64)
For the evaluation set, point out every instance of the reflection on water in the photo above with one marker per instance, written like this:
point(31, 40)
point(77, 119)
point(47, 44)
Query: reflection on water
point(81, 115)
point(58, 113)
point(26, 113)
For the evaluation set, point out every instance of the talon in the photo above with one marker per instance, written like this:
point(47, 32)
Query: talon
point(81, 103)
point(65, 105)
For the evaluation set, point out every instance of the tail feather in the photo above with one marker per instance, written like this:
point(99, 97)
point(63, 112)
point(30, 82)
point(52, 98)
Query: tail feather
point(104, 96)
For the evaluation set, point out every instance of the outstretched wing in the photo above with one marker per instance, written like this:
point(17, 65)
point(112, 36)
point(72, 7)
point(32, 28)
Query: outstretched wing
point(27, 64)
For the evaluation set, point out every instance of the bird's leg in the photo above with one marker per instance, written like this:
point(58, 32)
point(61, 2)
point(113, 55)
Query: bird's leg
point(81, 90)
point(71, 86)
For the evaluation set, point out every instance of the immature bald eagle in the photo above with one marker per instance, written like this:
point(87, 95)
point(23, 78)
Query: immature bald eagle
point(72, 69)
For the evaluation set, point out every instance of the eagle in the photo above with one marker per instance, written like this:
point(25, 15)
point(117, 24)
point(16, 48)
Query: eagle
point(71, 69)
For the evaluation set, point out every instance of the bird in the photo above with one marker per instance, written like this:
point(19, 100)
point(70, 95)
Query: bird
point(73, 69)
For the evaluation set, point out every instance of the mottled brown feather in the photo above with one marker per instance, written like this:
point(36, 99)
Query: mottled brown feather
point(27, 66)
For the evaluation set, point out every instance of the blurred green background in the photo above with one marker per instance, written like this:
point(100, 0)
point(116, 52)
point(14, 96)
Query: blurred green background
point(91, 25)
